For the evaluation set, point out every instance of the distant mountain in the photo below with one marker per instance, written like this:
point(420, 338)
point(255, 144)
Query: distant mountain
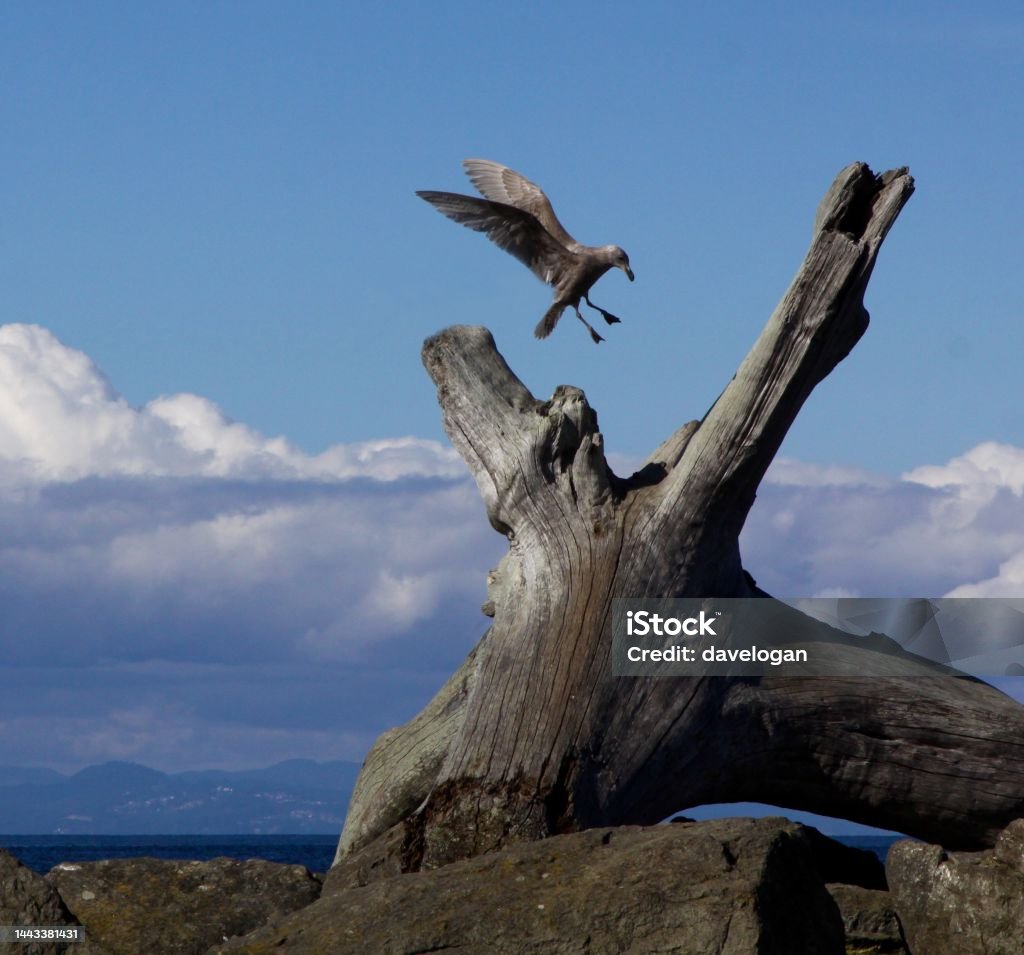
point(118, 798)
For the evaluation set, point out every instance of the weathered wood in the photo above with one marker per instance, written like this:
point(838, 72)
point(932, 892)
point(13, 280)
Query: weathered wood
point(535, 736)
point(402, 765)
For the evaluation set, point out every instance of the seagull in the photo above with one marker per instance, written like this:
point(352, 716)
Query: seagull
point(516, 216)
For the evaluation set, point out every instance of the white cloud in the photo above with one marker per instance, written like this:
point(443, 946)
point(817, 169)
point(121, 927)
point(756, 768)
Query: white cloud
point(986, 468)
point(172, 532)
point(61, 420)
point(936, 531)
point(983, 488)
point(1008, 581)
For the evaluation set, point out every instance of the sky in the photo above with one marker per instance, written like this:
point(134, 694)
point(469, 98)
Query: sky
point(232, 530)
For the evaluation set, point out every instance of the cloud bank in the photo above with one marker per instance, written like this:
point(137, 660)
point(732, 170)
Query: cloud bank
point(148, 556)
point(179, 589)
point(955, 529)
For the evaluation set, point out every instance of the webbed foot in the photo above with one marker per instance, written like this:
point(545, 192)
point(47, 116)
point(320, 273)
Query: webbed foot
point(607, 316)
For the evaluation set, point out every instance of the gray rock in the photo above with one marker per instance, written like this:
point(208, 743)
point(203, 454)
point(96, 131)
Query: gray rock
point(726, 887)
point(869, 919)
point(135, 906)
point(27, 899)
point(965, 902)
point(379, 859)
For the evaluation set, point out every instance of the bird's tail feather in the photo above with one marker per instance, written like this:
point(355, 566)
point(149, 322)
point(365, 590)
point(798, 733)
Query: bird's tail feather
point(547, 324)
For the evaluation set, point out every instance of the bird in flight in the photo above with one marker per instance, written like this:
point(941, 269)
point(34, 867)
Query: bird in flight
point(516, 216)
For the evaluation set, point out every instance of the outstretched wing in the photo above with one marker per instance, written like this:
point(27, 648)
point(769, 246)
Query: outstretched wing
point(517, 232)
point(501, 184)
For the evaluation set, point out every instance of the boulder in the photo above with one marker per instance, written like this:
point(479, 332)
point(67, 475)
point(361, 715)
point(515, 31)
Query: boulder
point(869, 920)
point(143, 905)
point(379, 859)
point(725, 887)
point(964, 902)
point(26, 898)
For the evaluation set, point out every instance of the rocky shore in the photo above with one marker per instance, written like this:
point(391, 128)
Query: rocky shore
point(724, 887)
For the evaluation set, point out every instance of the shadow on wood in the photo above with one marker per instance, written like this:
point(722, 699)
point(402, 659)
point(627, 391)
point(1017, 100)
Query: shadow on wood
point(535, 736)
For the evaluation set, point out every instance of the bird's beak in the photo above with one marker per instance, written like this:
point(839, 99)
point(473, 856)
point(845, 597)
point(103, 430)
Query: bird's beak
point(628, 272)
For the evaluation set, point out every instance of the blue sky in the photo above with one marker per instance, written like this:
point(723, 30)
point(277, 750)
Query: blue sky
point(217, 442)
point(218, 198)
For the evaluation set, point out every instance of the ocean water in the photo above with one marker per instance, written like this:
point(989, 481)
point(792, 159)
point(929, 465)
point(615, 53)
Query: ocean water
point(42, 853)
point(315, 852)
point(879, 845)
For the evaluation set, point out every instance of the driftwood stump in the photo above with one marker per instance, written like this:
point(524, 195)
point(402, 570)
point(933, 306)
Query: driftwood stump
point(534, 735)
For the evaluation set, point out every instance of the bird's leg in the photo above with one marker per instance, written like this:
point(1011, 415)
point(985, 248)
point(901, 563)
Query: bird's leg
point(590, 328)
point(608, 317)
